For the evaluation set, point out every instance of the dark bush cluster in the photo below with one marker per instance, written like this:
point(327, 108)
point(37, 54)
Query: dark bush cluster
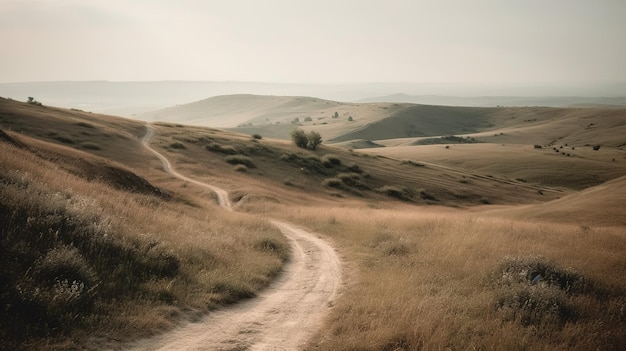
point(535, 291)
point(303, 140)
point(177, 145)
point(240, 160)
point(228, 150)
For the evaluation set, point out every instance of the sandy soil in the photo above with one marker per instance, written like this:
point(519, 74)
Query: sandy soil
point(282, 317)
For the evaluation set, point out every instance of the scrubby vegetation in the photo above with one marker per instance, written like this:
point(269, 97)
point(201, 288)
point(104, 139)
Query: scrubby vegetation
point(76, 264)
point(450, 139)
point(433, 279)
point(215, 147)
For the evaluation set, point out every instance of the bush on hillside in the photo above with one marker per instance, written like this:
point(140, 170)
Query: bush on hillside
point(177, 145)
point(394, 191)
point(304, 140)
point(314, 139)
point(331, 161)
point(298, 136)
point(535, 291)
point(240, 160)
point(215, 147)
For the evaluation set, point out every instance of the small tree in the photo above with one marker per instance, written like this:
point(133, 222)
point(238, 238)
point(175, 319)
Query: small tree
point(350, 119)
point(303, 140)
point(299, 137)
point(32, 101)
point(336, 115)
point(314, 139)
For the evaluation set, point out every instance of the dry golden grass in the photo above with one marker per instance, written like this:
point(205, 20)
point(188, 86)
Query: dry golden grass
point(419, 277)
point(583, 168)
point(423, 279)
point(147, 262)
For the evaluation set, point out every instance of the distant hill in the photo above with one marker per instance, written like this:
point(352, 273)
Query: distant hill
point(134, 98)
point(277, 116)
point(234, 110)
point(494, 101)
point(339, 122)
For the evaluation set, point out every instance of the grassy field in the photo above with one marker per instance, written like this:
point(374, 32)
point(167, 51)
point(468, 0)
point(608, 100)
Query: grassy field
point(475, 246)
point(432, 278)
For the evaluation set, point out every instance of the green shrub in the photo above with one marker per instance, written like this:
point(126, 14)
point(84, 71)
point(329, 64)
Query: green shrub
point(240, 160)
point(413, 163)
point(331, 161)
point(177, 145)
point(257, 136)
point(304, 140)
point(307, 163)
point(299, 137)
point(314, 139)
point(352, 180)
point(427, 196)
point(332, 182)
point(355, 168)
point(394, 191)
point(228, 150)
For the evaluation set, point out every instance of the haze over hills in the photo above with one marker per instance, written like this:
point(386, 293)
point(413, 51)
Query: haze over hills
point(136, 97)
point(396, 124)
point(493, 101)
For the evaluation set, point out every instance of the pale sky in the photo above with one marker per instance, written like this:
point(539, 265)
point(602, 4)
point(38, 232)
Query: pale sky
point(314, 41)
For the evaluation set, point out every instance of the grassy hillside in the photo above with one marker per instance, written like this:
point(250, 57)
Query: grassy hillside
point(275, 116)
point(576, 168)
point(93, 253)
point(484, 246)
point(523, 125)
point(276, 169)
point(601, 205)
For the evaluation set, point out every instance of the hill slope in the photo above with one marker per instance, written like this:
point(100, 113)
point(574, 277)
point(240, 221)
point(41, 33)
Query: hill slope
point(602, 205)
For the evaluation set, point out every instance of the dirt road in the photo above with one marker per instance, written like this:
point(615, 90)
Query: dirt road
point(283, 316)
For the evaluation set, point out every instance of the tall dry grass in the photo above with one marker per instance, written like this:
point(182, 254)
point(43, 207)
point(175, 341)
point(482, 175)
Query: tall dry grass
point(84, 260)
point(433, 279)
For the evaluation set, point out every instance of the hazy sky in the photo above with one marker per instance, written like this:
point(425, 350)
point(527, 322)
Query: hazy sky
point(314, 41)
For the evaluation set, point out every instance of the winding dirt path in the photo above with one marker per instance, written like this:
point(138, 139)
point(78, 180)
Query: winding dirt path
point(283, 316)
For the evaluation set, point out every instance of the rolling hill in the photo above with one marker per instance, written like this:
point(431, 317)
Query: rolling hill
point(102, 246)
